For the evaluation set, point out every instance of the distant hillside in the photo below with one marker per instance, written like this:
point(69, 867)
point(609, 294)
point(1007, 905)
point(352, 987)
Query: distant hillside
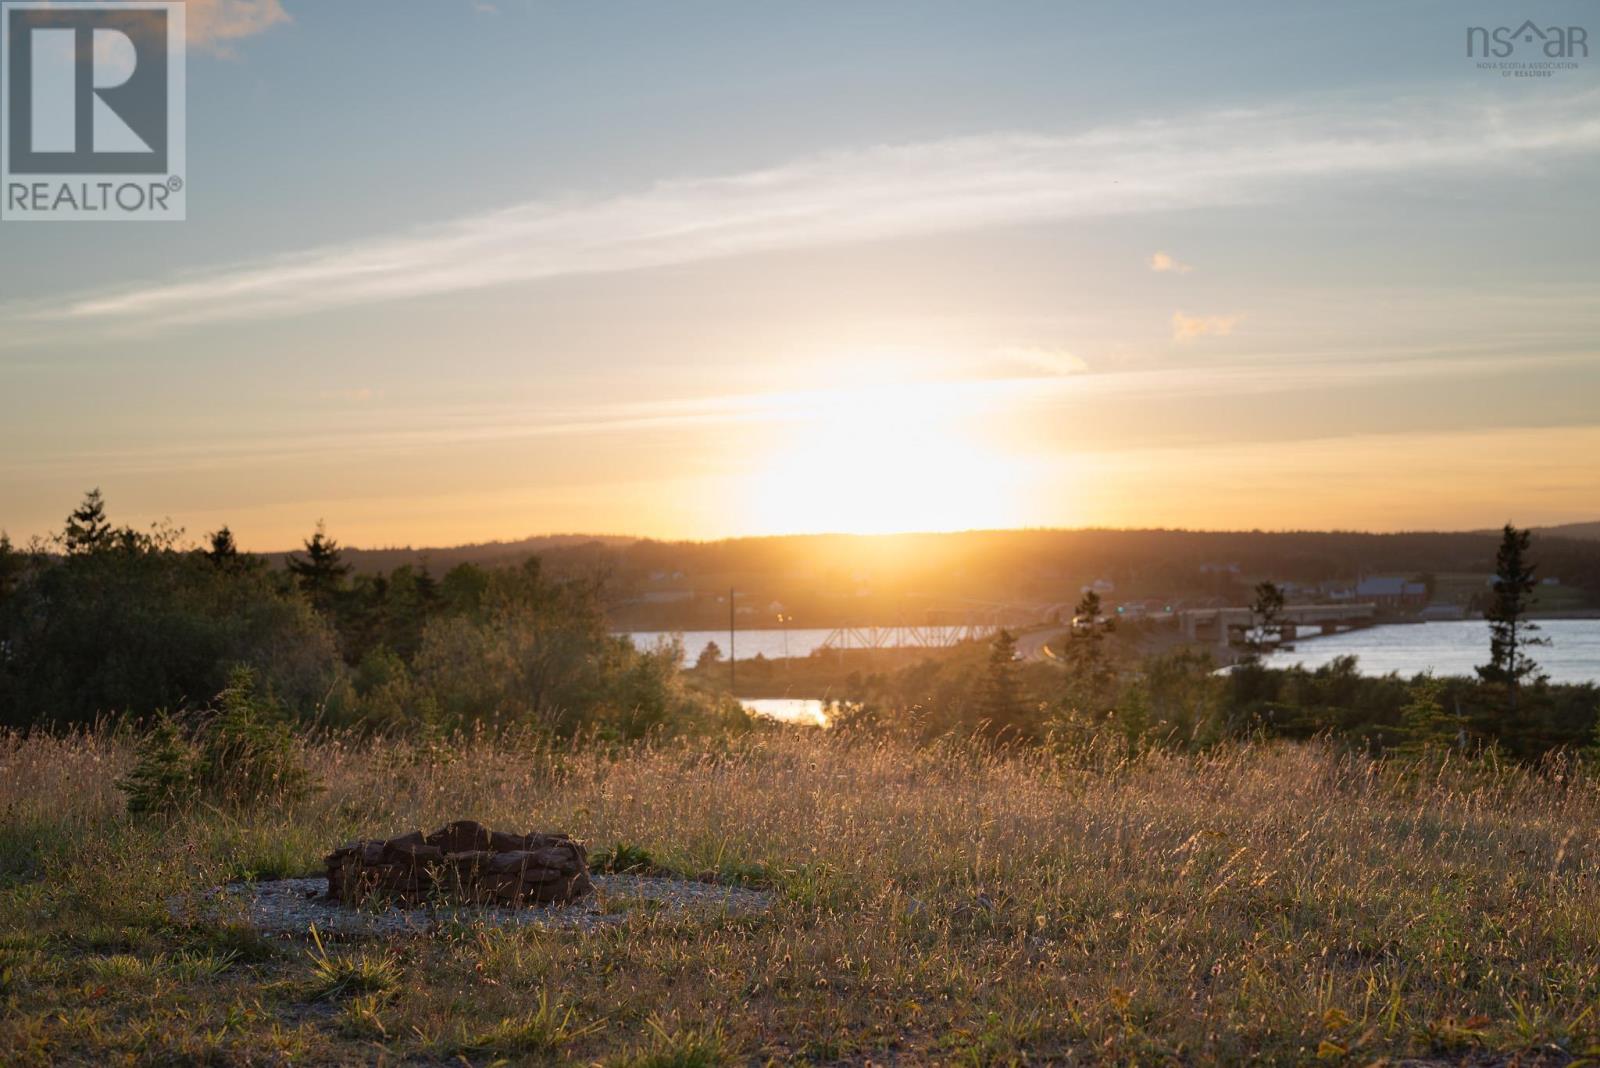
point(484, 554)
point(839, 579)
point(1586, 531)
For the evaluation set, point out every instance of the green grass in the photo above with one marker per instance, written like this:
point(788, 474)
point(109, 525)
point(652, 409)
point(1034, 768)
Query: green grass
point(341, 974)
point(1286, 903)
point(546, 1030)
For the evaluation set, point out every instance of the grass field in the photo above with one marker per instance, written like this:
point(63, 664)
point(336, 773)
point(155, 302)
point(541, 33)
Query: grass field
point(939, 905)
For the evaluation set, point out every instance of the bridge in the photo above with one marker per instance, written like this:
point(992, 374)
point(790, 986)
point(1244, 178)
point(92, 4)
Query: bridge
point(925, 637)
point(1222, 624)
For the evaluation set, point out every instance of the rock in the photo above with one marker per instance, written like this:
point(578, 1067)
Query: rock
point(461, 862)
point(462, 836)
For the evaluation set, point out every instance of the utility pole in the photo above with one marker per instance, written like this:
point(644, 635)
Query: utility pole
point(732, 653)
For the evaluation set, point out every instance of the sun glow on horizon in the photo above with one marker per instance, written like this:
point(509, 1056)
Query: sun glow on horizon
point(884, 460)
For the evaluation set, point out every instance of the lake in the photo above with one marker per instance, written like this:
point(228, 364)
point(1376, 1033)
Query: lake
point(1450, 648)
point(804, 710)
point(1445, 648)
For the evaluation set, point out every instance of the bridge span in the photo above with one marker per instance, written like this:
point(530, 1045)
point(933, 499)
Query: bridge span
point(1222, 624)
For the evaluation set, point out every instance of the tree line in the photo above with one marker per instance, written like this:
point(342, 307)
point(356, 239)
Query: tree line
point(105, 620)
point(1097, 687)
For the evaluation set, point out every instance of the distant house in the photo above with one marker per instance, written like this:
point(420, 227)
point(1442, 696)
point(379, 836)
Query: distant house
point(1392, 592)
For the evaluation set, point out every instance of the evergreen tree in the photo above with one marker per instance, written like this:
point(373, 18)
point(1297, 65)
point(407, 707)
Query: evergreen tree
point(710, 656)
point(1424, 724)
point(1090, 674)
point(410, 600)
point(223, 552)
point(1510, 634)
point(88, 530)
point(1088, 608)
point(1000, 699)
point(321, 571)
point(463, 589)
point(1266, 613)
point(427, 586)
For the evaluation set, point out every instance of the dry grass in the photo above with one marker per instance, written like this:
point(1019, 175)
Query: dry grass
point(945, 905)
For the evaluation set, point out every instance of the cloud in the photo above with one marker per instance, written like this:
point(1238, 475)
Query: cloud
point(216, 24)
point(1031, 359)
point(427, 426)
point(1161, 261)
point(1188, 327)
point(878, 193)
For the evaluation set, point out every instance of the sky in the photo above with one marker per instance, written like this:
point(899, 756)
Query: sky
point(457, 271)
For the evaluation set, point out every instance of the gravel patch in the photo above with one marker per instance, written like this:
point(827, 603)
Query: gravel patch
point(289, 907)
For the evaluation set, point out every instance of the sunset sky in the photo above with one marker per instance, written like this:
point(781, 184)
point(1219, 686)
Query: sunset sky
point(457, 271)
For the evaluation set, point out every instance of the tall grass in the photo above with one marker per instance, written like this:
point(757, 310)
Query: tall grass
point(947, 903)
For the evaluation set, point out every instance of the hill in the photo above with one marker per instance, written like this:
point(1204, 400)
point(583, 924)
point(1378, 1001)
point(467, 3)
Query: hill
point(840, 579)
point(483, 554)
point(1586, 531)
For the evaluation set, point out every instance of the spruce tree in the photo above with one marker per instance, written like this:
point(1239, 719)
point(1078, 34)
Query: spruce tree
point(1090, 675)
point(1510, 635)
point(321, 571)
point(88, 530)
point(224, 552)
point(1000, 700)
point(1425, 726)
point(1266, 614)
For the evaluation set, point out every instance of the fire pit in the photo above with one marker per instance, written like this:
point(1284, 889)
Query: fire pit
point(463, 863)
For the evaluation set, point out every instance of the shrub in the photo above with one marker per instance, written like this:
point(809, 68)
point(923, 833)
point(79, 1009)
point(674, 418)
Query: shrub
point(143, 626)
point(240, 753)
point(163, 775)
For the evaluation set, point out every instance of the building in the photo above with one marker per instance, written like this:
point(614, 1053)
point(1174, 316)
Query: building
point(1392, 592)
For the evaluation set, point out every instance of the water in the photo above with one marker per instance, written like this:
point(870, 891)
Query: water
point(771, 644)
point(1445, 648)
point(1450, 648)
point(803, 710)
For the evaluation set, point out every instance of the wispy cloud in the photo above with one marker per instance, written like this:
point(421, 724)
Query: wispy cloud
point(892, 191)
point(217, 24)
point(1162, 262)
point(1188, 327)
point(386, 429)
point(1035, 360)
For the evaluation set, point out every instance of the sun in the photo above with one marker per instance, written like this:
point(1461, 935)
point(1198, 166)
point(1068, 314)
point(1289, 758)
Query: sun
point(881, 460)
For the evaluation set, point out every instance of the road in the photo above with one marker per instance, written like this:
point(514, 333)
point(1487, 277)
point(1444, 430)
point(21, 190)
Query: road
point(1031, 644)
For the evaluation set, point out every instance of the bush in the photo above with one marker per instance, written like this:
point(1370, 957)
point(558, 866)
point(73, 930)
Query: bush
point(163, 775)
point(239, 754)
point(537, 651)
point(143, 626)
